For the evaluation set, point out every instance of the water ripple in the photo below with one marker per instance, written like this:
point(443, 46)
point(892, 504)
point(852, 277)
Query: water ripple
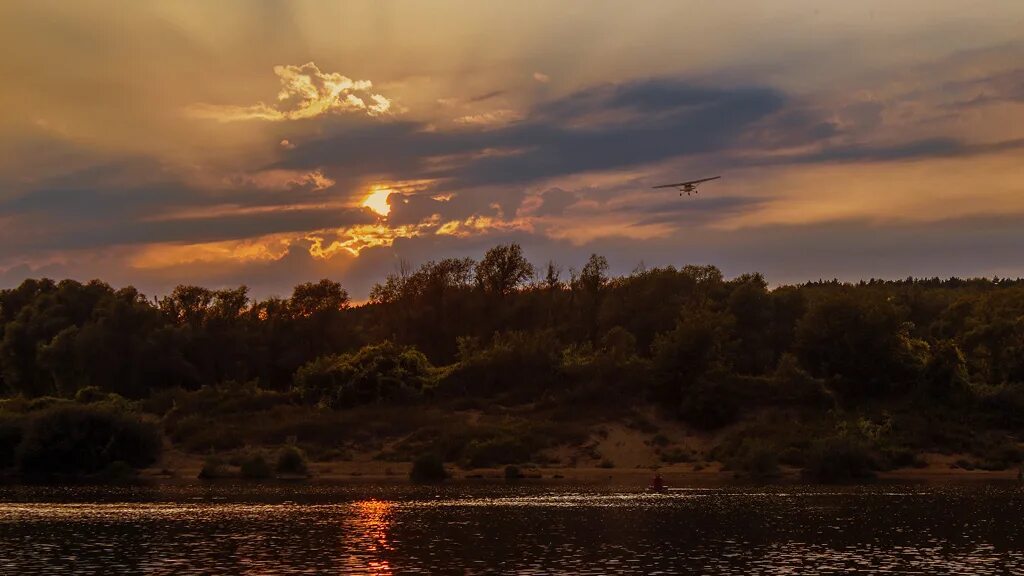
point(316, 529)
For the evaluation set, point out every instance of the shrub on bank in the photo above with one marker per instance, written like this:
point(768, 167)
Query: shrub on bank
point(757, 460)
point(90, 394)
point(505, 449)
point(839, 459)
point(382, 372)
point(709, 405)
point(11, 434)
point(213, 467)
point(676, 456)
point(1000, 455)
point(255, 467)
point(428, 468)
point(291, 462)
point(117, 472)
point(76, 439)
point(894, 458)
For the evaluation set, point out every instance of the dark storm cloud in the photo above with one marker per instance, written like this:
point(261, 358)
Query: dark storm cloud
point(623, 126)
point(413, 208)
point(97, 234)
point(134, 201)
point(918, 149)
point(798, 125)
point(692, 213)
point(142, 187)
point(686, 120)
point(554, 201)
point(487, 96)
point(230, 227)
point(88, 203)
point(1007, 86)
point(105, 205)
point(653, 96)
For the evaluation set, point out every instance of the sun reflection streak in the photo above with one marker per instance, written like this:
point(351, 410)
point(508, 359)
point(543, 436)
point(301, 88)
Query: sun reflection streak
point(370, 524)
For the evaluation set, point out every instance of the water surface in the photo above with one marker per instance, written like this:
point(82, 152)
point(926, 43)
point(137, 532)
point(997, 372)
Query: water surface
point(500, 529)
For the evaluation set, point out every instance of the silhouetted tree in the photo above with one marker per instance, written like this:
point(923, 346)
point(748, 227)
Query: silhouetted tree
point(503, 269)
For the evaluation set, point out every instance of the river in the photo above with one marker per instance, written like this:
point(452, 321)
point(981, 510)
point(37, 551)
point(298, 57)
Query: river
point(510, 529)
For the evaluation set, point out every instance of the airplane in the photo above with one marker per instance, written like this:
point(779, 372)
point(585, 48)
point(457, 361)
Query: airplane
point(688, 187)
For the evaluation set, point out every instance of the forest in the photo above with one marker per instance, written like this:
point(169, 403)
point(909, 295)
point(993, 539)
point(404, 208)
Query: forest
point(837, 379)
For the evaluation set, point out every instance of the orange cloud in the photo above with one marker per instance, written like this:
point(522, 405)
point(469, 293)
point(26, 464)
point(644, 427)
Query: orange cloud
point(306, 92)
point(491, 118)
point(477, 224)
point(263, 249)
point(355, 239)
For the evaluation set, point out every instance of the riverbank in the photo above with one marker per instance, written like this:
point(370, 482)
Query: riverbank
point(177, 466)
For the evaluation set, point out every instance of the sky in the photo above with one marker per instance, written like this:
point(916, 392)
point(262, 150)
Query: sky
point(272, 143)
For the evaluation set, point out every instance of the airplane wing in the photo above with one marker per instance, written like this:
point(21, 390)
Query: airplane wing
point(678, 184)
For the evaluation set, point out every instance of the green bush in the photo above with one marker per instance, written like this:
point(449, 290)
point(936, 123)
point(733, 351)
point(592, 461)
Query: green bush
point(216, 401)
point(12, 430)
point(117, 472)
point(964, 464)
point(513, 473)
point(510, 441)
point(709, 405)
point(485, 453)
point(292, 462)
point(43, 403)
point(676, 455)
point(428, 468)
point(381, 372)
point(792, 456)
point(839, 459)
point(660, 440)
point(862, 342)
point(255, 467)
point(1004, 404)
point(757, 460)
point(90, 394)
point(1000, 456)
point(75, 439)
point(200, 433)
point(213, 467)
point(518, 366)
point(895, 458)
point(792, 384)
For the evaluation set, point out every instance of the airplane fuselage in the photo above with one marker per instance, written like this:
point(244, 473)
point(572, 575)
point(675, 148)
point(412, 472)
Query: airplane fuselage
point(688, 187)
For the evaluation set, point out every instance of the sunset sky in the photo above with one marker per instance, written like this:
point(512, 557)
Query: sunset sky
point(271, 143)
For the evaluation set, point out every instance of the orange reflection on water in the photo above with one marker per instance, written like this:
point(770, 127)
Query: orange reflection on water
point(369, 529)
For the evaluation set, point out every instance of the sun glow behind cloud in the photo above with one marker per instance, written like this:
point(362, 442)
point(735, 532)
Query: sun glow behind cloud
point(377, 201)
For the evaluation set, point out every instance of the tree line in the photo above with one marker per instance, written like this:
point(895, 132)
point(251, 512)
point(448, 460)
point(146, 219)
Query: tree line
point(686, 338)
